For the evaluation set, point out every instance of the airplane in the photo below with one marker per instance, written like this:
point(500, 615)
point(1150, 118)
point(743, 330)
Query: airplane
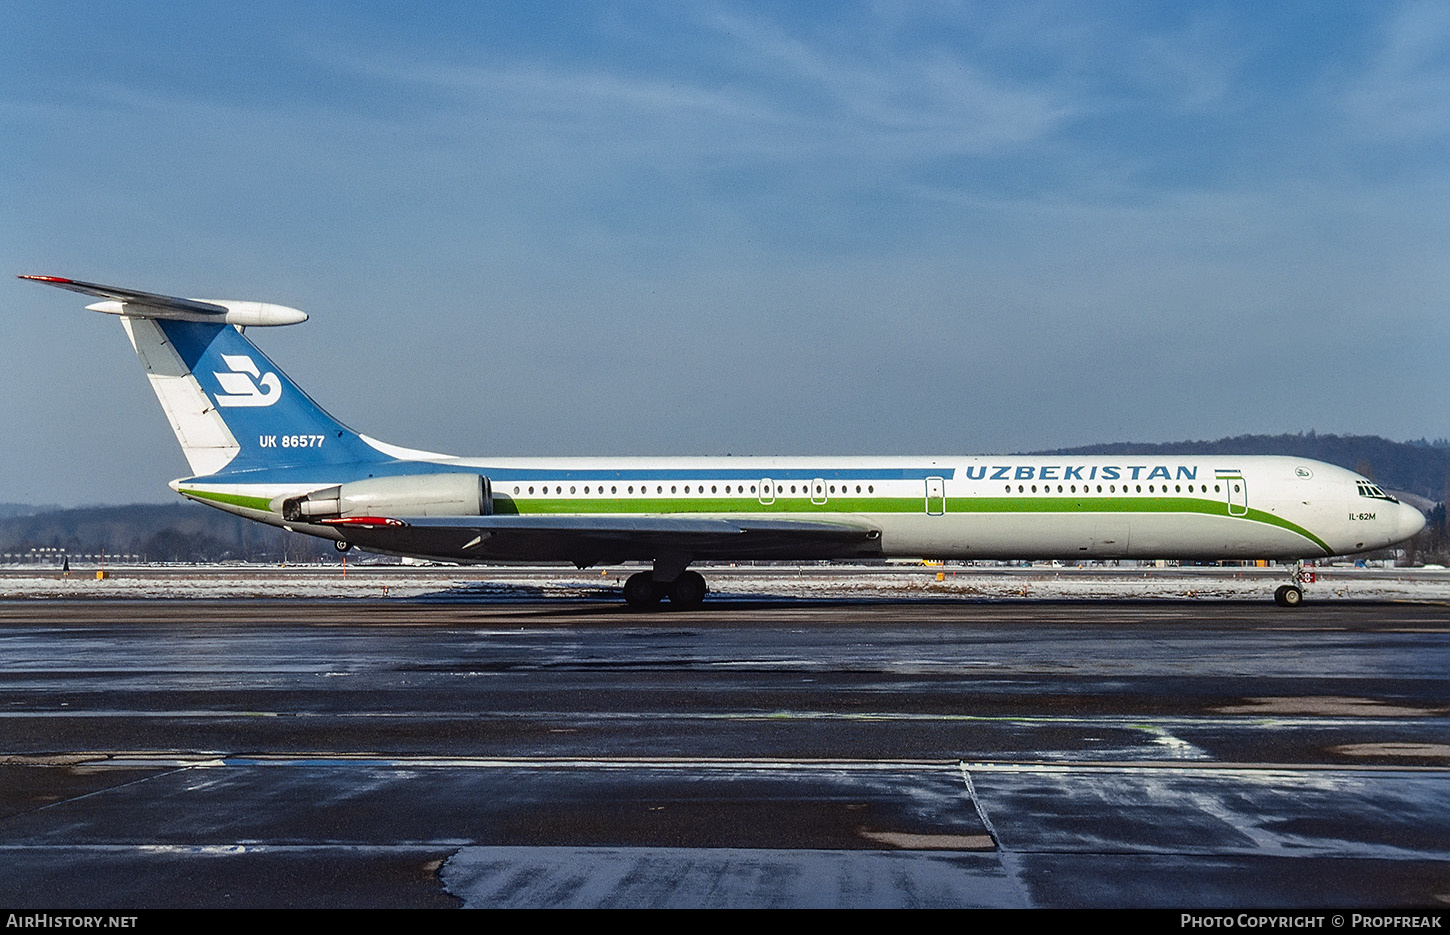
point(259, 447)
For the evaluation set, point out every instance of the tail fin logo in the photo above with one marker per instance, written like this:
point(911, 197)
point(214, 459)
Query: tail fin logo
point(239, 388)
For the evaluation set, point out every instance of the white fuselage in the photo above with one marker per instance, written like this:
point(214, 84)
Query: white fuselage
point(983, 507)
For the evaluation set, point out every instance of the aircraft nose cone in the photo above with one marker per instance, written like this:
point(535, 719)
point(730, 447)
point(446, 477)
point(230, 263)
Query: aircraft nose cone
point(1409, 522)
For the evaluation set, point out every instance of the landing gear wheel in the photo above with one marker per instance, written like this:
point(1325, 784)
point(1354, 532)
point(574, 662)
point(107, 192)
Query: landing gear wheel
point(688, 590)
point(640, 591)
point(1289, 595)
point(342, 545)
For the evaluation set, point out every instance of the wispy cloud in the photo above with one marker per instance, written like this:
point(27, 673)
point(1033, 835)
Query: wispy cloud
point(1403, 93)
point(1189, 69)
point(755, 90)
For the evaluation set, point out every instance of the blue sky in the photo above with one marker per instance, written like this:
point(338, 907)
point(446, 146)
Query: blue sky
point(753, 228)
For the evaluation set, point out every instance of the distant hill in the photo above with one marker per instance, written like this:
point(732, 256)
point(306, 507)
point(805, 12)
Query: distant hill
point(1418, 467)
point(172, 532)
point(24, 509)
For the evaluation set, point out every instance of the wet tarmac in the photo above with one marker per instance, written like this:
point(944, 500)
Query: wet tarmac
point(769, 753)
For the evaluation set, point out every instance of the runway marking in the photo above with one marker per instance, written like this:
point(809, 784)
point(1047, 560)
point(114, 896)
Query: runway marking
point(1176, 747)
point(977, 802)
point(1360, 712)
point(167, 767)
point(249, 847)
point(142, 760)
point(1192, 766)
point(652, 763)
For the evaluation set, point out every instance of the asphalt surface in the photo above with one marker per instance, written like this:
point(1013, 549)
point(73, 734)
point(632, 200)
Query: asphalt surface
point(774, 753)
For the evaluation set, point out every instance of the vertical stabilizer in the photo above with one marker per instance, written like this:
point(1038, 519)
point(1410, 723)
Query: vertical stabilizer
point(231, 407)
point(206, 441)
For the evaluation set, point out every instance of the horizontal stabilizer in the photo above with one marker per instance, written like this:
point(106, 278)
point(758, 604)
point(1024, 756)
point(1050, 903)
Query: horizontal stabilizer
point(137, 304)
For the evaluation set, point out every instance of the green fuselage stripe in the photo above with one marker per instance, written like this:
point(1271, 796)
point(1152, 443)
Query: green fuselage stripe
point(566, 505)
point(896, 505)
point(235, 499)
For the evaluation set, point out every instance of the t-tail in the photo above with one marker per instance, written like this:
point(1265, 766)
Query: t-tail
point(234, 411)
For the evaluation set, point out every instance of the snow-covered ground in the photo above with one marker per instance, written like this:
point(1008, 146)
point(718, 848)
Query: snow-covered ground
point(808, 581)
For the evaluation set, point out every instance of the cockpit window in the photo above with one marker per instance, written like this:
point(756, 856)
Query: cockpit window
point(1366, 489)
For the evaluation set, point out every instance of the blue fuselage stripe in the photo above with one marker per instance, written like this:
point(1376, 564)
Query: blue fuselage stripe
point(333, 474)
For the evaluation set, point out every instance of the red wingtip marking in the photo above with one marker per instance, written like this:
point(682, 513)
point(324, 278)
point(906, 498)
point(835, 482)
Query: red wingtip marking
point(44, 278)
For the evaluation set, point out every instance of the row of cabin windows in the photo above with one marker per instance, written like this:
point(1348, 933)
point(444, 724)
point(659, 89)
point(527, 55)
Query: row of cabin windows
point(844, 489)
point(1113, 488)
point(714, 488)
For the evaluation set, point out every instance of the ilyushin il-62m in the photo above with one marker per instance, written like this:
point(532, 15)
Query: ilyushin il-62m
point(259, 447)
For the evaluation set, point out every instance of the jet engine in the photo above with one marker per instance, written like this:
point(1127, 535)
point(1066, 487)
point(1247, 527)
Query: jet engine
point(408, 495)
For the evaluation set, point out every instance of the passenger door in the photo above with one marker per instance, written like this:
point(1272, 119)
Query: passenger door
point(936, 496)
point(1238, 496)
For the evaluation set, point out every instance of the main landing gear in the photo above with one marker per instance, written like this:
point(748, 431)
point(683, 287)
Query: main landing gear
point(1292, 594)
point(687, 591)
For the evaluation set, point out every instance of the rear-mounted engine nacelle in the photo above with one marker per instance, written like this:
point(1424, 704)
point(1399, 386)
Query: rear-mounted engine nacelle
point(410, 495)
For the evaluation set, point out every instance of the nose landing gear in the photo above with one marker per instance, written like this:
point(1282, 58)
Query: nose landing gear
point(1292, 594)
point(1289, 595)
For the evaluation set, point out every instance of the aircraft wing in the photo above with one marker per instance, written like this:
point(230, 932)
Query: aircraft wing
point(596, 539)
